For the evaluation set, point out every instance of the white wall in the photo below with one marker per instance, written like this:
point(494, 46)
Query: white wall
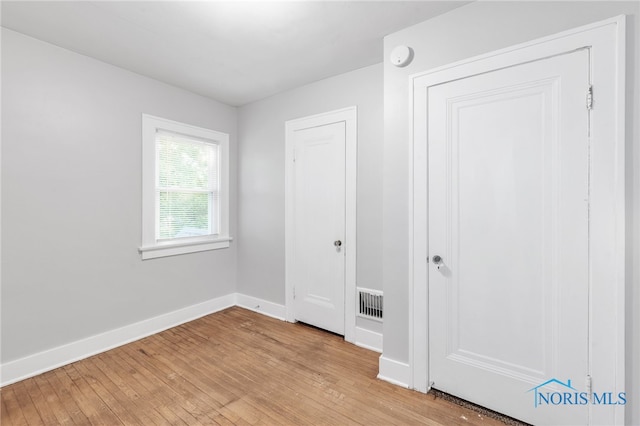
point(261, 178)
point(71, 180)
point(71, 199)
point(471, 30)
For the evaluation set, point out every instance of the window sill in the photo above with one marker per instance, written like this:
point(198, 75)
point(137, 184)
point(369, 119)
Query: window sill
point(184, 247)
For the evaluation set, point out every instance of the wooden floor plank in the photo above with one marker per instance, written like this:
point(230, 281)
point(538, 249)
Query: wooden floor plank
point(99, 385)
point(51, 398)
point(186, 365)
point(251, 374)
point(39, 402)
point(235, 367)
point(29, 411)
point(69, 405)
point(110, 376)
point(161, 400)
point(90, 404)
point(190, 402)
point(12, 413)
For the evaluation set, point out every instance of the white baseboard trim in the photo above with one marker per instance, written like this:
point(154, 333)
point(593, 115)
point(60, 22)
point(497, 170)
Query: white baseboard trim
point(41, 362)
point(368, 339)
point(261, 306)
point(395, 372)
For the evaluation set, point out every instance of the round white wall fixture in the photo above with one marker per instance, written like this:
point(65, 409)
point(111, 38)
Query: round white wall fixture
point(401, 56)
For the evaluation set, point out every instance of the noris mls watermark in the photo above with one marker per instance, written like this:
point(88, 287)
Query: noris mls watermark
point(568, 395)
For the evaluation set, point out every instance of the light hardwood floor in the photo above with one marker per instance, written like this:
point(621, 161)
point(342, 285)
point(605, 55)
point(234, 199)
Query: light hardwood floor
point(232, 367)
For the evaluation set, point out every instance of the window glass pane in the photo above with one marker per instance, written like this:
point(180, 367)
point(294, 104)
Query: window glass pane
point(184, 214)
point(186, 164)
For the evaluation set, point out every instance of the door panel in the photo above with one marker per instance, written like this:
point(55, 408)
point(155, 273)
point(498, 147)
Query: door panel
point(508, 213)
point(319, 272)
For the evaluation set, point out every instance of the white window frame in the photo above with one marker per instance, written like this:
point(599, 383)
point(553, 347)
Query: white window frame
point(151, 247)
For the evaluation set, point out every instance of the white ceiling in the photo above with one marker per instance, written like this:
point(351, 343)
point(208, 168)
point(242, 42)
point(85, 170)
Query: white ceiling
point(232, 51)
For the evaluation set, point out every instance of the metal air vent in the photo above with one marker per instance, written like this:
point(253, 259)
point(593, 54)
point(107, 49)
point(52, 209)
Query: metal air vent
point(370, 304)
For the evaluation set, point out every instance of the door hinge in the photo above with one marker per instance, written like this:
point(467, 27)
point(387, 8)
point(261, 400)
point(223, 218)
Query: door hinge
point(588, 385)
point(590, 98)
point(294, 292)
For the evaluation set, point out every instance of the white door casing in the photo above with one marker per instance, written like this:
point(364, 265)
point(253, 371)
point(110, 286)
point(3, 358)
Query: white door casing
point(604, 42)
point(508, 213)
point(320, 177)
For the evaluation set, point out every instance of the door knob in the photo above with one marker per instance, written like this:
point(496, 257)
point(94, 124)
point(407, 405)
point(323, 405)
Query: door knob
point(437, 260)
point(337, 243)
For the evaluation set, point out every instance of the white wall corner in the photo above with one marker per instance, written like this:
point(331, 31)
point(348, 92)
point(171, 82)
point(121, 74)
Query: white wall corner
point(395, 372)
point(261, 306)
point(50, 359)
point(368, 339)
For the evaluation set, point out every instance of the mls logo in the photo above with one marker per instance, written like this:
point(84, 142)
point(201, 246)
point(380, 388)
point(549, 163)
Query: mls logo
point(568, 395)
point(553, 398)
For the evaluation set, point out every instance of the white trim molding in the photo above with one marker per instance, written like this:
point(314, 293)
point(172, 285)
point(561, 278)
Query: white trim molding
point(41, 362)
point(349, 117)
point(395, 372)
point(368, 339)
point(261, 306)
point(606, 41)
point(173, 249)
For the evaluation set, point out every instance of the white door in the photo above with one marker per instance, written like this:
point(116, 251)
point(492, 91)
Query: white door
point(319, 229)
point(508, 215)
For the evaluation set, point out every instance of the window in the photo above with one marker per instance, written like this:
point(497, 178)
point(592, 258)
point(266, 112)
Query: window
point(185, 182)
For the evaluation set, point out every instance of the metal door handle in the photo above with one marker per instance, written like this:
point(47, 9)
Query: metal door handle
point(437, 260)
point(337, 243)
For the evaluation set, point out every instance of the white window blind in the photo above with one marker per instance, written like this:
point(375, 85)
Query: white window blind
point(187, 186)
